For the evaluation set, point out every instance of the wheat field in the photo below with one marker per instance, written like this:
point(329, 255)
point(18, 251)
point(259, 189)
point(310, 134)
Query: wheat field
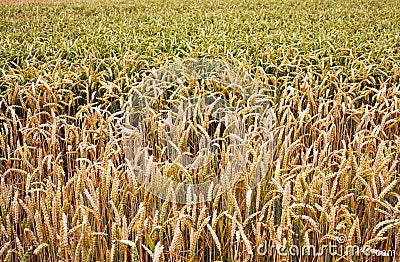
point(330, 70)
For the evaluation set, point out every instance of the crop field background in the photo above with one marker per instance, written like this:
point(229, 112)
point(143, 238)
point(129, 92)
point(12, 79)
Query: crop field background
point(330, 70)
